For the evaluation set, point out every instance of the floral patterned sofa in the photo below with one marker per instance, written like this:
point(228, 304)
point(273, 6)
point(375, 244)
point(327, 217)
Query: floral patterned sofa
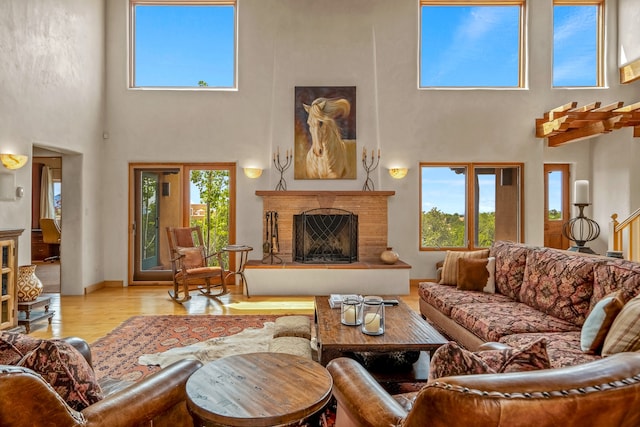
point(539, 292)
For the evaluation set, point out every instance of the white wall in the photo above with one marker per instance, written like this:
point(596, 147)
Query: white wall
point(629, 31)
point(52, 96)
point(371, 44)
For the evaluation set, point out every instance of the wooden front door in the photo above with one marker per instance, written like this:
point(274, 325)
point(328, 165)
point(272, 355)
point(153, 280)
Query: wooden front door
point(556, 205)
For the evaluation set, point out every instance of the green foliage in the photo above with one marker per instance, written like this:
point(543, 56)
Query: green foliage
point(213, 186)
point(149, 216)
point(444, 230)
point(555, 214)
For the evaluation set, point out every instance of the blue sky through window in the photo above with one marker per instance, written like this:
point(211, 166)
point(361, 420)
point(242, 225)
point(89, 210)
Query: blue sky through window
point(179, 46)
point(575, 42)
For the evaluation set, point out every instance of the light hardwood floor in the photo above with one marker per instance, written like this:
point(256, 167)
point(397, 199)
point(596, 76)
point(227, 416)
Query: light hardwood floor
point(94, 315)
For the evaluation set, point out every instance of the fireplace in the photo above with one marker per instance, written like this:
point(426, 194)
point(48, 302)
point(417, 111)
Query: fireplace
point(325, 235)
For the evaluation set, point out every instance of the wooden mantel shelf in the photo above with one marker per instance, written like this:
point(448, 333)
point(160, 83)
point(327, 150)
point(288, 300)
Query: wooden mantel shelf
point(287, 193)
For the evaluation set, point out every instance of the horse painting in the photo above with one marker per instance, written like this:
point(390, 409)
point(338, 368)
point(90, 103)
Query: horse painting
point(327, 157)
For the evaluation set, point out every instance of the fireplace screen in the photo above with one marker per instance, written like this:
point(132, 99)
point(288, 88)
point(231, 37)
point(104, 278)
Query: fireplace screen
point(325, 236)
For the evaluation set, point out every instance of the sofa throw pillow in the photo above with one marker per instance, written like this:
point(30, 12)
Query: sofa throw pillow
point(451, 359)
point(14, 345)
point(477, 274)
point(450, 266)
point(192, 257)
point(624, 334)
point(599, 321)
point(66, 370)
point(530, 357)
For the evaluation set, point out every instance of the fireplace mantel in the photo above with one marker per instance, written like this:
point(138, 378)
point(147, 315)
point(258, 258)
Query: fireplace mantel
point(370, 206)
point(263, 193)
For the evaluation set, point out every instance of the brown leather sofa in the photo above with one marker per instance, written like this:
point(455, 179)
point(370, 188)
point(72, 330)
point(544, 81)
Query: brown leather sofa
point(604, 392)
point(157, 400)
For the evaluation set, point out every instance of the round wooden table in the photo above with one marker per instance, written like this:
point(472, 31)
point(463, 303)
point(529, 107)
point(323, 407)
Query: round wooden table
point(257, 389)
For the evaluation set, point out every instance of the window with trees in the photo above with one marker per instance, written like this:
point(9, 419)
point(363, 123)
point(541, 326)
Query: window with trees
point(182, 44)
point(577, 43)
point(471, 43)
point(469, 205)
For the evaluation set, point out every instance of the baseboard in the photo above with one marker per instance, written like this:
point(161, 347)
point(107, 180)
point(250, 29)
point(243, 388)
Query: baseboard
point(104, 284)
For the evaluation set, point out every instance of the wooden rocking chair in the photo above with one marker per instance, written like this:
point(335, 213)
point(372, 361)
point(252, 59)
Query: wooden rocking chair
point(189, 262)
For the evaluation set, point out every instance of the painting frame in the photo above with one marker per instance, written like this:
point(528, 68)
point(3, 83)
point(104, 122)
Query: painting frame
point(328, 114)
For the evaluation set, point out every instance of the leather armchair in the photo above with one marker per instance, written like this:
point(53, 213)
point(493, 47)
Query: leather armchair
point(157, 400)
point(603, 392)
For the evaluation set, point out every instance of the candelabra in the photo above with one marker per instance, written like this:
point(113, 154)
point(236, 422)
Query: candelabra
point(282, 167)
point(581, 230)
point(369, 166)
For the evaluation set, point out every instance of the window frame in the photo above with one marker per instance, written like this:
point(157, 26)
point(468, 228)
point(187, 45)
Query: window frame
point(132, 41)
point(522, 77)
point(470, 196)
point(600, 35)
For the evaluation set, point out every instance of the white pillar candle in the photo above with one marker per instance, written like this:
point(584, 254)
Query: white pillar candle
point(581, 192)
point(372, 322)
point(349, 314)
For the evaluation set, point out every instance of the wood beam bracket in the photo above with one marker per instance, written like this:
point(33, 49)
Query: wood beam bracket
point(569, 123)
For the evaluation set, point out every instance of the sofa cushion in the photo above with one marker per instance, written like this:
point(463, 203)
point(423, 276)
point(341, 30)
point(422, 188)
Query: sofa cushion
point(559, 284)
point(598, 322)
point(451, 359)
point(492, 321)
point(444, 298)
point(624, 334)
point(477, 274)
point(612, 276)
point(563, 348)
point(450, 266)
point(192, 257)
point(511, 260)
point(66, 370)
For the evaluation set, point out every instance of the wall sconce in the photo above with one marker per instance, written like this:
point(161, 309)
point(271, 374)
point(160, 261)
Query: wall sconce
point(398, 173)
point(252, 172)
point(13, 161)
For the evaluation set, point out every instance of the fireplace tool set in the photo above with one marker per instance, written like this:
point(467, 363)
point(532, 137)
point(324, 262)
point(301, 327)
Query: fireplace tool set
point(271, 245)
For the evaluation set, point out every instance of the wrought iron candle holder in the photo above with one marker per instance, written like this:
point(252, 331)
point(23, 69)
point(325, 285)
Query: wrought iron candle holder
point(369, 166)
point(581, 230)
point(282, 167)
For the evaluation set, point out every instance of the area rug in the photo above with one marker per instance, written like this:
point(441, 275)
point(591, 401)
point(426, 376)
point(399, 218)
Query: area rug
point(116, 354)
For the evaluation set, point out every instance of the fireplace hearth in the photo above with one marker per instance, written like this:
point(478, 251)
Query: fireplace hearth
point(325, 236)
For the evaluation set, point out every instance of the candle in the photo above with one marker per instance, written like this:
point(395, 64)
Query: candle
point(349, 314)
point(581, 192)
point(372, 322)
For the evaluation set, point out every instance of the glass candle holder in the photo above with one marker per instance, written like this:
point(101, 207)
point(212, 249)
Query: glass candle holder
point(351, 311)
point(373, 315)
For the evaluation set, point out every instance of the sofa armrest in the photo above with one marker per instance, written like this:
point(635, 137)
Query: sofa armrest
point(361, 397)
point(145, 399)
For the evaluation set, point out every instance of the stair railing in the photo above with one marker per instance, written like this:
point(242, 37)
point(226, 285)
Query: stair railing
point(625, 236)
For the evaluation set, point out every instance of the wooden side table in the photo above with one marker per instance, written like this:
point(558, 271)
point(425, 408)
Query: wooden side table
point(27, 315)
point(257, 389)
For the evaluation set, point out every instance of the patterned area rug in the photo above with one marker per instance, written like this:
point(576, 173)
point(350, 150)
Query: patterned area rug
point(116, 354)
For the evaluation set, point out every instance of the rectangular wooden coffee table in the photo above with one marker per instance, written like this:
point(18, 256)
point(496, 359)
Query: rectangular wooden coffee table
point(405, 330)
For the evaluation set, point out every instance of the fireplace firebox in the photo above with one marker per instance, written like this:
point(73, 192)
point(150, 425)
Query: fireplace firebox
point(325, 236)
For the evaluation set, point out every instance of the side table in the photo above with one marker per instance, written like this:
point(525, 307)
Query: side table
point(27, 315)
point(244, 254)
point(257, 389)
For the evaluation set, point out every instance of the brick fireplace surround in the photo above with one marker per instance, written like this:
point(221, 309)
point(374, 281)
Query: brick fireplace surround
point(367, 276)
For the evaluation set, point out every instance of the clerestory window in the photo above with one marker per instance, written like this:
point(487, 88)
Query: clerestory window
point(577, 43)
point(470, 205)
point(182, 44)
point(471, 43)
